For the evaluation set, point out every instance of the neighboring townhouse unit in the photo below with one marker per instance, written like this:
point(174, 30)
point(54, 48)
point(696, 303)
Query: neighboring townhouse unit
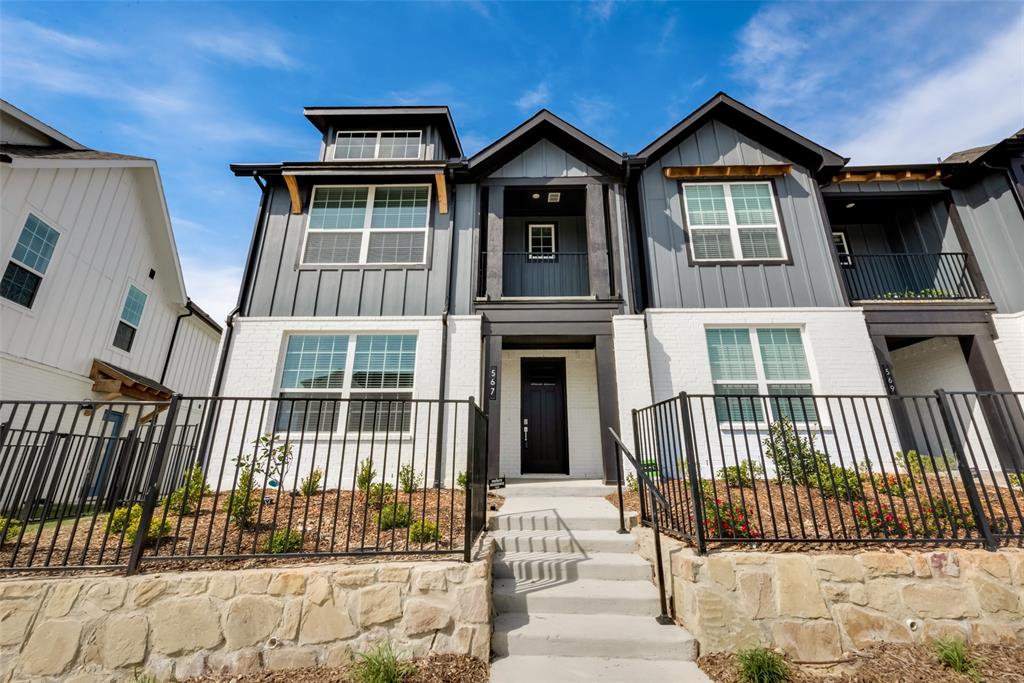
point(563, 284)
point(92, 300)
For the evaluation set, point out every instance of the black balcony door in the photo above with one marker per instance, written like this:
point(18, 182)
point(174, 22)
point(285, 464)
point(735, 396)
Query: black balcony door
point(543, 428)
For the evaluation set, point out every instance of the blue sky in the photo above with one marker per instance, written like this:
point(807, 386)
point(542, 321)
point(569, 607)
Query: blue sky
point(198, 86)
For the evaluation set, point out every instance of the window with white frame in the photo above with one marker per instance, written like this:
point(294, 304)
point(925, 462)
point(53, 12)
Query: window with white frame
point(381, 144)
point(375, 372)
point(29, 260)
point(372, 224)
point(541, 241)
point(131, 317)
point(759, 361)
point(733, 222)
point(842, 247)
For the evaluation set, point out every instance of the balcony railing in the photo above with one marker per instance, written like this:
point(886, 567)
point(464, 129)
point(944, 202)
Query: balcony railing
point(908, 277)
point(560, 273)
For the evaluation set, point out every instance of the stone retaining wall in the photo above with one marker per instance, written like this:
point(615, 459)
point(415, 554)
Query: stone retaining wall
point(816, 606)
point(174, 626)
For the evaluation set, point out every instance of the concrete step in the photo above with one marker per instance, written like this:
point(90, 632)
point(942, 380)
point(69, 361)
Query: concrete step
point(582, 596)
point(544, 520)
point(591, 635)
point(554, 669)
point(564, 541)
point(570, 566)
point(533, 488)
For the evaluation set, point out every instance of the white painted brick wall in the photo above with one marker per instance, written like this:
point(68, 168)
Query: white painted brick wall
point(632, 370)
point(582, 409)
point(1010, 345)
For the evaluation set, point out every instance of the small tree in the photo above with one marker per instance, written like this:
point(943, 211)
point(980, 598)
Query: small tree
point(794, 456)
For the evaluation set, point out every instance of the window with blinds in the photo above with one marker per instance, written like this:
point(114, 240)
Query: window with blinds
point(371, 376)
point(375, 224)
point(733, 222)
point(29, 260)
point(384, 144)
point(776, 377)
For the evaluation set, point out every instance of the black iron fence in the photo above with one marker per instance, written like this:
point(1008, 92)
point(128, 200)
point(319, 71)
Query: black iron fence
point(116, 484)
point(908, 276)
point(766, 469)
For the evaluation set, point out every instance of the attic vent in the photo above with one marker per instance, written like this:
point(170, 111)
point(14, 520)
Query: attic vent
point(554, 197)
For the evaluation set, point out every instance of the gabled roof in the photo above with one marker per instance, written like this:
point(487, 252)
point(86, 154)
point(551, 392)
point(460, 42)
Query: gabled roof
point(370, 118)
point(753, 124)
point(969, 156)
point(34, 123)
point(544, 125)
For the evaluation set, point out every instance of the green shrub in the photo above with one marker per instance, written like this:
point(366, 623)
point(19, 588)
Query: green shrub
point(880, 521)
point(461, 481)
point(631, 483)
point(394, 516)
point(424, 531)
point(186, 498)
point(920, 464)
point(1016, 480)
point(741, 475)
point(945, 516)
point(310, 486)
point(381, 665)
point(144, 677)
point(837, 482)
point(761, 665)
point(891, 484)
point(408, 480)
point(794, 456)
point(366, 475)
point(127, 520)
point(952, 653)
point(283, 541)
point(119, 520)
point(728, 520)
point(379, 494)
point(12, 526)
point(244, 501)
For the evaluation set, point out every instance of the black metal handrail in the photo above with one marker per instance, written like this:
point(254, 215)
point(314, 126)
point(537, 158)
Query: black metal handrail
point(909, 276)
point(559, 273)
point(647, 483)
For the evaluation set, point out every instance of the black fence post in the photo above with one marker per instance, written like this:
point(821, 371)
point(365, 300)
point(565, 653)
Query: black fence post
point(153, 485)
point(618, 471)
point(636, 452)
point(471, 475)
point(691, 469)
point(966, 476)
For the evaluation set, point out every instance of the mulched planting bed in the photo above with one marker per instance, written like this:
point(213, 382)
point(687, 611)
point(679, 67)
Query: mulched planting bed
point(432, 669)
point(811, 519)
point(327, 522)
point(889, 663)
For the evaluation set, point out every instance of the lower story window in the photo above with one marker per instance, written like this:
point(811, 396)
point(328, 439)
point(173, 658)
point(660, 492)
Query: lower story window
point(777, 370)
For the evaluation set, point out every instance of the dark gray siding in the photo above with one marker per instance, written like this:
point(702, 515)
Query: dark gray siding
point(994, 225)
point(282, 288)
point(810, 280)
point(925, 228)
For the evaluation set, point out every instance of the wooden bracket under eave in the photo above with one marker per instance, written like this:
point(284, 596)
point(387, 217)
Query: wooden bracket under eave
point(889, 176)
point(733, 171)
point(442, 193)
point(293, 192)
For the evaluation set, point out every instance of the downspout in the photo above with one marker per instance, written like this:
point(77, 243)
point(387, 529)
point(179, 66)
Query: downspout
point(442, 385)
point(174, 336)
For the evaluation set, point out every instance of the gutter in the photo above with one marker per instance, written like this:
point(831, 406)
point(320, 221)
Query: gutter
point(174, 336)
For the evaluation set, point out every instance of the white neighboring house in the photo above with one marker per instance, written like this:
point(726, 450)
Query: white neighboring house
point(92, 299)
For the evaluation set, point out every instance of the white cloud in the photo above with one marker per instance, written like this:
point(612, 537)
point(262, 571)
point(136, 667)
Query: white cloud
point(601, 9)
point(976, 101)
point(592, 111)
point(43, 37)
point(245, 46)
point(536, 97)
point(212, 285)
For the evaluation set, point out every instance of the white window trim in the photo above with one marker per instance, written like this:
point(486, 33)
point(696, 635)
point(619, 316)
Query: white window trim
point(366, 230)
point(376, 148)
point(844, 255)
point(38, 301)
point(344, 394)
point(762, 383)
point(541, 255)
point(120, 312)
point(733, 227)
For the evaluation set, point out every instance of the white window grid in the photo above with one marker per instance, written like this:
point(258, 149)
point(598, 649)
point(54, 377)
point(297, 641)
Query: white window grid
point(346, 392)
point(842, 247)
point(732, 224)
point(33, 250)
point(122, 320)
point(541, 241)
point(377, 136)
point(367, 229)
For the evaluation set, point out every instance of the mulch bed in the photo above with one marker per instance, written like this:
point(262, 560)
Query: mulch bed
point(432, 669)
point(810, 518)
point(327, 522)
point(889, 663)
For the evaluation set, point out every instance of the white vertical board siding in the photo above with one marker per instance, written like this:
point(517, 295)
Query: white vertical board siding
point(110, 221)
point(545, 160)
point(1010, 346)
point(194, 358)
point(584, 419)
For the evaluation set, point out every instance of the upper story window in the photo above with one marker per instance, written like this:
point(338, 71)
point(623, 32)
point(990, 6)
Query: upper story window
point(382, 224)
point(733, 222)
point(778, 368)
point(29, 261)
point(842, 247)
point(541, 241)
point(375, 372)
point(131, 316)
point(385, 144)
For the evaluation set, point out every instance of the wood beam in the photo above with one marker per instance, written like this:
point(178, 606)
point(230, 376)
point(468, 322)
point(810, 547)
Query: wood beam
point(730, 171)
point(888, 176)
point(442, 193)
point(293, 192)
point(106, 386)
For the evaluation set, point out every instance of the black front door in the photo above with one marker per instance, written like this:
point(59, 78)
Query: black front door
point(543, 430)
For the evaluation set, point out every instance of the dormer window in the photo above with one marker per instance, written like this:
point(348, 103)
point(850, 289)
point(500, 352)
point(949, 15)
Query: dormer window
point(382, 144)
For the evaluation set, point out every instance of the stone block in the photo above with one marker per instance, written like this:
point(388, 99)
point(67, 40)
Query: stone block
point(123, 640)
point(686, 567)
point(481, 645)
point(719, 569)
point(937, 600)
point(885, 564)
point(107, 595)
point(339, 655)
point(883, 594)
point(430, 579)
point(240, 662)
point(362, 575)
point(318, 589)
point(190, 585)
point(796, 588)
point(456, 573)
point(934, 629)
point(922, 565)
point(183, 625)
point(840, 567)
point(866, 627)
point(291, 615)
point(15, 590)
point(1015, 558)
point(756, 589)
point(809, 641)
point(473, 603)
point(15, 618)
point(284, 658)
point(391, 573)
point(287, 583)
point(423, 615)
point(254, 582)
point(378, 604)
point(189, 667)
point(222, 585)
point(51, 648)
point(325, 623)
point(944, 565)
point(994, 596)
point(148, 590)
point(717, 622)
point(993, 564)
point(993, 632)
point(250, 619)
point(61, 599)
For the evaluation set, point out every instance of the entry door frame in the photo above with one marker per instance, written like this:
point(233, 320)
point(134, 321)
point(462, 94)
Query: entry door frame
point(558, 361)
